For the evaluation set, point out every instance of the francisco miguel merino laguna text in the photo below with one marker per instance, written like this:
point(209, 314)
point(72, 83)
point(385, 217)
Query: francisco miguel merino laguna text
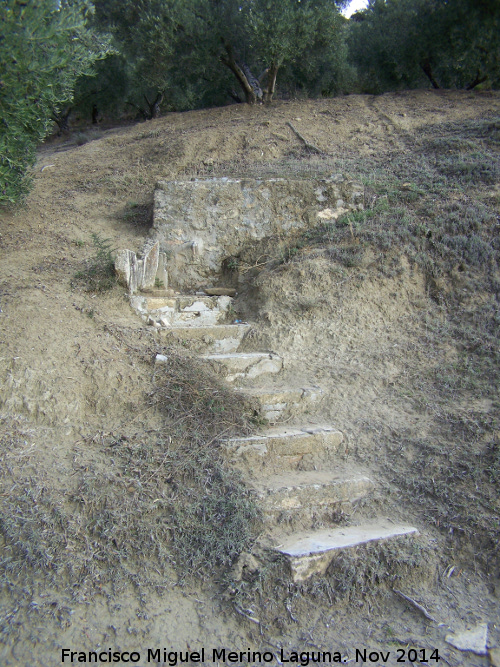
point(173, 658)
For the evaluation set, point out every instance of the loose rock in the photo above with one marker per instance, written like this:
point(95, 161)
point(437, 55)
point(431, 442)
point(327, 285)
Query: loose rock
point(471, 640)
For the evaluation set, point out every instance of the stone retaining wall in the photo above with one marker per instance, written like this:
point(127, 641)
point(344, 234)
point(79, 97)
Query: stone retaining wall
point(201, 222)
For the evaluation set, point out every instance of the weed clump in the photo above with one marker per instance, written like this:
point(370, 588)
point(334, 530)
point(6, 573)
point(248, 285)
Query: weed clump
point(99, 273)
point(33, 525)
point(82, 138)
point(197, 402)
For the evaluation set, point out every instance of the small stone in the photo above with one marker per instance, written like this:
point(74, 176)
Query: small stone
point(139, 303)
point(474, 640)
point(161, 359)
point(136, 268)
point(331, 214)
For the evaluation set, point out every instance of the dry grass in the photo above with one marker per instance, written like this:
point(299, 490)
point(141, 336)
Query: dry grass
point(214, 515)
point(454, 482)
point(197, 400)
point(139, 506)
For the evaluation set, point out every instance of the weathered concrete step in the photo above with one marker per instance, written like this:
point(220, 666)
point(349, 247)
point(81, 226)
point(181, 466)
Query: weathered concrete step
point(281, 449)
point(282, 403)
point(182, 310)
point(307, 496)
point(247, 365)
point(216, 339)
point(311, 552)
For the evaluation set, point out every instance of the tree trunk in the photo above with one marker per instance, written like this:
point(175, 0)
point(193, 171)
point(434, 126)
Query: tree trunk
point(153, 110)
point(272, 73)
point(154, 107)
point(141, 113)
point(61, 118)
point(253, 81)
point(479, 79)
point(427, 69)
point(230, 62)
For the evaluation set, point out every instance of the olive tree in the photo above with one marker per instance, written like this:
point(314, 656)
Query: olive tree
point(292, 33)
point(45, 46)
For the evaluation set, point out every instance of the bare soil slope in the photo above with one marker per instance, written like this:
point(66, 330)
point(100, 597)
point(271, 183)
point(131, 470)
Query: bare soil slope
point(366, 317)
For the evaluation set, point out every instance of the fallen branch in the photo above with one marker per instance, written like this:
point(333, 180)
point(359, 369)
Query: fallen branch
point(310, 147)
point(242, 613)
point(421, 609)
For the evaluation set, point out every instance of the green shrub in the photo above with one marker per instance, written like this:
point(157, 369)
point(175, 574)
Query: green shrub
point(99, 273)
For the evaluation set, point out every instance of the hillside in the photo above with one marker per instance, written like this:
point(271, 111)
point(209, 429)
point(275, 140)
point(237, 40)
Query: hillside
point(393, 312)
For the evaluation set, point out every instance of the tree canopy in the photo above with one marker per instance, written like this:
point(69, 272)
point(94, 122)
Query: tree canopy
point(413, 43)
point(200, 52)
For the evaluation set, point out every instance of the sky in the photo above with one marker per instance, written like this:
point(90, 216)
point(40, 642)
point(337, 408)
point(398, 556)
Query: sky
point(354, 6)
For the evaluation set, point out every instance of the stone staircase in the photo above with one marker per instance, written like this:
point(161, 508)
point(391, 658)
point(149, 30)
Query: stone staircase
point(298, 472)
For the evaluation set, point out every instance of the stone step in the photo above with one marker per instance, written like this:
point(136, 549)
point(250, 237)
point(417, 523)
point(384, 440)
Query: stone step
point(282, 403)
point(220, 291)
point(216, 339)
point(247, 365)
point(311, 552)
point(307, 497)
point(182, 310)
point(280, 449)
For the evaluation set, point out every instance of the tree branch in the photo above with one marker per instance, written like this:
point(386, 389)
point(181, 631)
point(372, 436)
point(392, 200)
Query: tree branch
point(310, 147)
